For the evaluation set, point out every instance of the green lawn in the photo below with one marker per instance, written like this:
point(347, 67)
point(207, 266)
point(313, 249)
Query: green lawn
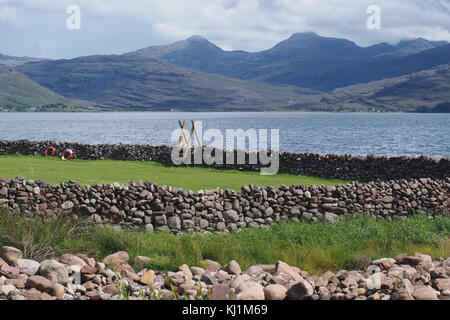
point(88, 172)
point(316, 248)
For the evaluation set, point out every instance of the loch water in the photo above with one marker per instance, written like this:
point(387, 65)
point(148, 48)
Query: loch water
point(324, 133)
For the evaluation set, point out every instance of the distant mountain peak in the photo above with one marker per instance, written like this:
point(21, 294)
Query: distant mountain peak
point(412, 46)
point(197, 38)
point(194, 42)
point(304, 35)
point(406, 42)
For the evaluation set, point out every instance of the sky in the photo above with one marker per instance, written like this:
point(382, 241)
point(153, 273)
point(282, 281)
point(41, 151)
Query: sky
point(38, 28)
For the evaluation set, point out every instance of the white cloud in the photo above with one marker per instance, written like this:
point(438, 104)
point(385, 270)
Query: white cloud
point(250, 25)
point(8, 13)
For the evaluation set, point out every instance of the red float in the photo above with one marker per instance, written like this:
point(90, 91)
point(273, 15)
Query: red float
point(69, 156)
point(52, 149)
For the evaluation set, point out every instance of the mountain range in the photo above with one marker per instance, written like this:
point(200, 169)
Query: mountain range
point(304, 72)
point(147, 83)
point(306, 60)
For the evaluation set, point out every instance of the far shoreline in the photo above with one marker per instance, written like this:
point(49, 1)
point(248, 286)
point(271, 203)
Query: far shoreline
point(227, 111)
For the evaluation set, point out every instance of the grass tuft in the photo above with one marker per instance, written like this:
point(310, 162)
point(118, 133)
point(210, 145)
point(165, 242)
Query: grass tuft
point(316, 248)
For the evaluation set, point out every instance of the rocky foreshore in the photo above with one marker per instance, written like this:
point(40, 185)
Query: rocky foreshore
point(147, 205)
point(345, 167)
point(78, 277)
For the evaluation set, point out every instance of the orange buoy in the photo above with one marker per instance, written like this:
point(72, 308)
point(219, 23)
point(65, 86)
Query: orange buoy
point(67, 157)
point(52, 149)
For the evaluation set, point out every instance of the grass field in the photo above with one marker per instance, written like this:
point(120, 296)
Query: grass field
point(312, 247)
point(88, 172)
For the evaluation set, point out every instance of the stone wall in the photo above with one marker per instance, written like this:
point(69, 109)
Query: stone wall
point(146, 205)
point(362, 168)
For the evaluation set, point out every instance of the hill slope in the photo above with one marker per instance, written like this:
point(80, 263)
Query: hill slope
point(15, 61)
point(150, 84)
point(405, 93)
point(17, 90)
point(306, 60)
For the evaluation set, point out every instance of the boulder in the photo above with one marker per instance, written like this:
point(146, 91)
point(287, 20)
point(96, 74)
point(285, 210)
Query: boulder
point(9, 272)
point(71, 260)
point(54, 271)
point(177, 278)
point(300, 290)
point(287, 271)
point(10, 255)
point(424, 293)
point(111, 289)
point(58, 290)
point(386, 263)
point(212, 265)
point(233, 268)
point(197, 272)
point(88, 270)
point(221, 292)
point(254, 271)
point(142, 261)
point(442, 284)
point(19, 283)
point(209, 279)
point(117, 258)
point(186, 271)
point(40, 283)
point(27, 266)
point(251, 290)
point(323, 280)
point(148, 278)
point(5, 290)
point(275, 292)
point(237, 281)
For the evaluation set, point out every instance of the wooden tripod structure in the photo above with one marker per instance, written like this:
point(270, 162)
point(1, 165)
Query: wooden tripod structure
point(183, 141)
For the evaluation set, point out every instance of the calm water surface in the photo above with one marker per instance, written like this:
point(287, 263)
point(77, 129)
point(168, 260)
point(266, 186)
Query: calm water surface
point(354, 133)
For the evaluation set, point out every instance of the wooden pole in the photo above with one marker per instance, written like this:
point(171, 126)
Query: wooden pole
point(196, 134)
point(187, 147)
point(182, 132)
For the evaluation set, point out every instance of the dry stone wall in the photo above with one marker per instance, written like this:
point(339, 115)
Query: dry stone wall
point(149, 206)
point(347, 167)
point(401, 186)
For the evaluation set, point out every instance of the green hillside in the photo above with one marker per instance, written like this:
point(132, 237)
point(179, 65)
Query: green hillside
point(138, 83)
point(17, 90)
point(406, 93)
